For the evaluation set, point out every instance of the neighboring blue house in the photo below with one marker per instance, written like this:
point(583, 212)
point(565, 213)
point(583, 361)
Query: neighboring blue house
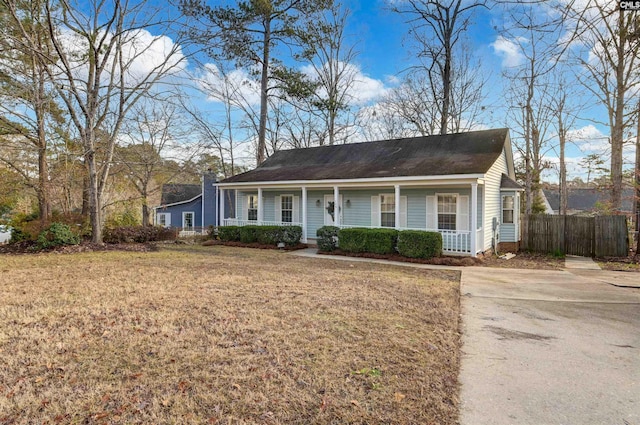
point(461, 185)
point(192, 208)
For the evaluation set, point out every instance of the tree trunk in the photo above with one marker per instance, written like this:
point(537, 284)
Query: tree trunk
point(563, 167)
point(264, 82)
point(145, 212)
point(636, 199)
point(446, 86)
point(617, 136)
point(94, 199)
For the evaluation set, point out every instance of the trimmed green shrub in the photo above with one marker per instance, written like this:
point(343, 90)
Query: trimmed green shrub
point(353, 240)
point(229, 233)
point(269, 235)
point(291, 235)
point(327, 238)
point(139, 234)
point(381, 241)
point(57, 234)
point(419, 244)
point(248, 233)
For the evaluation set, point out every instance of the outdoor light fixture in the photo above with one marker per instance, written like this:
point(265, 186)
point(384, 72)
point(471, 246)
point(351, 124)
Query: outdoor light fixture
point(318, 203)
point(348, 203)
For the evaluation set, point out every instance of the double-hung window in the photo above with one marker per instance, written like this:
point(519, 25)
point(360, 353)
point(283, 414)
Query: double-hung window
point(187, 220)
point(387, 211)
point(447, 207)
point(164, 219)
point(508, 206)
point(286, 208)
point(252, 207)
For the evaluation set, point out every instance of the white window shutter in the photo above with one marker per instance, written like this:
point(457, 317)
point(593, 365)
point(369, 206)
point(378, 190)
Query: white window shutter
point(375, 211)
point(403, 211)
point(278, 209)
point(167, 217)
point(432, 213)
point(240, 211)
point(462, 217)
point(296, 209)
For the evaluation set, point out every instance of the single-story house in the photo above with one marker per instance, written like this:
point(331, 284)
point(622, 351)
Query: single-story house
point(586, 200)
point(192, 208)
point(461, 185)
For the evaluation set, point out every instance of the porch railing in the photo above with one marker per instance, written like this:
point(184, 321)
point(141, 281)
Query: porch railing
point(238, 222)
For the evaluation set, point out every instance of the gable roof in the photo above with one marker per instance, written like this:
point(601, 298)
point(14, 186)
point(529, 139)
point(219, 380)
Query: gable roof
point(507, 182)
point(460, 153)
point(585, 199)
point(175, 193)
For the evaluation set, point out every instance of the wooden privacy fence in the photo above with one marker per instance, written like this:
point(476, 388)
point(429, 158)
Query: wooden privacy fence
point(600, 236)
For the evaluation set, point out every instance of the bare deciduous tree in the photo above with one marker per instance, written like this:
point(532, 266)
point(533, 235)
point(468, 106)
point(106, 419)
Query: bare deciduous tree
point(607, 50)
point(437, 28)
point(101, 71)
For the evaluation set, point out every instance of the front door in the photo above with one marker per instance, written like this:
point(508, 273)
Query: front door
point(330, 213)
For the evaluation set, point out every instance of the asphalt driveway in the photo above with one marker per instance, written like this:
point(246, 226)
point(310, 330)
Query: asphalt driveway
point(549, 347)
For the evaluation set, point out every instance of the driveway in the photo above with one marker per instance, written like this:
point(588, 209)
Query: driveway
point(549, 347)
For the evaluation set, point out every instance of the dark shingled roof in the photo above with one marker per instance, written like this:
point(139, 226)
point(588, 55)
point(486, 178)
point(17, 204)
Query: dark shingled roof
point(508, 183)
point(461, 153)
point(172, 193)
point(585, 199)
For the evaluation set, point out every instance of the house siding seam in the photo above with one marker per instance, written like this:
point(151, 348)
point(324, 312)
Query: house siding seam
point(492, 198)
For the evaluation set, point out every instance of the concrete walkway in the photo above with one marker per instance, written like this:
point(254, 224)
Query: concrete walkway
point(545, 346)
point(580, 263)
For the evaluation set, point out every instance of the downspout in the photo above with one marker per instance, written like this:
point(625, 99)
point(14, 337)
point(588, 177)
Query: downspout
point(202, 212)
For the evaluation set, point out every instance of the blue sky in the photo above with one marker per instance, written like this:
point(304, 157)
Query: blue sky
point(379, 37)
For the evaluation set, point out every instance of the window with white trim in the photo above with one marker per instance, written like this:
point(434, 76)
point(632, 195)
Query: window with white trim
point(187, 220)
point(252, 207)
point(164, 219)
point(387, 211)
point(447, 208)
point(286, 208)
point(508, 206)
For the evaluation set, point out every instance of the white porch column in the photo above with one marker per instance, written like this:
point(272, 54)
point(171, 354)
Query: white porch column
point(474, 219)
point(260, 215)
point(221, 205)
point(336, 206)
point(397, 205)
point(304, 214)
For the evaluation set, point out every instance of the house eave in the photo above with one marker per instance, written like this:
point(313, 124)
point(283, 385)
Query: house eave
point(363, 182)
point(178, 203)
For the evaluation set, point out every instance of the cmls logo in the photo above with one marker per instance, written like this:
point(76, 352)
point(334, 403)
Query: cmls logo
point(629, 5)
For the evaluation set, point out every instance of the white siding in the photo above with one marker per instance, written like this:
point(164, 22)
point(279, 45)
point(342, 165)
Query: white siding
point(492, 196)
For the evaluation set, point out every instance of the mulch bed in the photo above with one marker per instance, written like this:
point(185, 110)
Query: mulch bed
point(256, 245)
point(30, 247)
point(438, 261)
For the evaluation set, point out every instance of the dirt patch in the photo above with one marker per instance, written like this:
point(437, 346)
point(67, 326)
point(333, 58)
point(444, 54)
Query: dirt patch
point(624, 264)
point(192, 334)
point(525, 260)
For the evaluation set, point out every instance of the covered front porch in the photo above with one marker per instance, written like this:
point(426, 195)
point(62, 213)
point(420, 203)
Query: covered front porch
point(451, 207)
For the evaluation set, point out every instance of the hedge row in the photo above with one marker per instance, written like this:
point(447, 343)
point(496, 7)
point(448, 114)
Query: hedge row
point(408, 243)
point(268, 235)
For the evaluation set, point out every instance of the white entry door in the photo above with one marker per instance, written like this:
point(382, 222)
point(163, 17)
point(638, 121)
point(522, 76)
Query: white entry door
point(328, 219)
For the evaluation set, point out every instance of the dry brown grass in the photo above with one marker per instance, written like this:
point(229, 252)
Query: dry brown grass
point(225, 335)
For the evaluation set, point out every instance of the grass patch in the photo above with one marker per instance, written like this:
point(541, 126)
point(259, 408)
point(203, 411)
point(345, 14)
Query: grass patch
point(192, 334)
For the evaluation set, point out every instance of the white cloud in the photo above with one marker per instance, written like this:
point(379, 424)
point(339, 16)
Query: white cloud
point(361, 88)
point(509, 50)
point(236, 86)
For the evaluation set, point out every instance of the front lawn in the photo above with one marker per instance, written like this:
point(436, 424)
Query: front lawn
point(222, 335)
